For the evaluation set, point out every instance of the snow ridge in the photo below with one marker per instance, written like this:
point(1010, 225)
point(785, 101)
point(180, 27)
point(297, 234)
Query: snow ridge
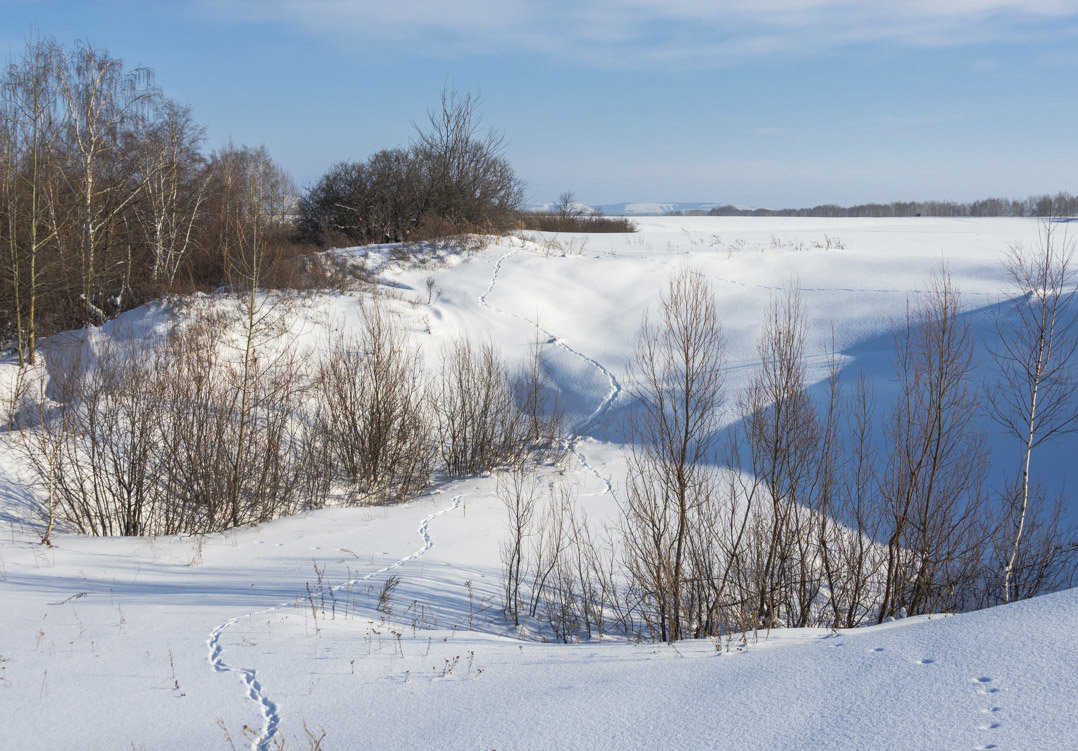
point(271, 718)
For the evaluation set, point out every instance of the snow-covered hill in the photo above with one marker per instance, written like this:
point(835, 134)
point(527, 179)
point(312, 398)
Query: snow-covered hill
point(183, 642)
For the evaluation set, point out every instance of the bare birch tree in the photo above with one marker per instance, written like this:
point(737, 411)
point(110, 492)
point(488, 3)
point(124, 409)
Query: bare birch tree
point(29, 126)
point(172, 171)
point(1034, 396)
point(103, 103)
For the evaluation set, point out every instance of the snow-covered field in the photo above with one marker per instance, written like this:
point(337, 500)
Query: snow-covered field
point(182, 643)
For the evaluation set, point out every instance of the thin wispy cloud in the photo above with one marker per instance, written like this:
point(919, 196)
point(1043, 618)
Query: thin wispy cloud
point(644, 32)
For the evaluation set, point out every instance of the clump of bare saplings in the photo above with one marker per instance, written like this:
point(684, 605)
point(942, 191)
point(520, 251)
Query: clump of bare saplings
point(170, 435)
point(487, 417)
point(372, 415)
point(833, 510)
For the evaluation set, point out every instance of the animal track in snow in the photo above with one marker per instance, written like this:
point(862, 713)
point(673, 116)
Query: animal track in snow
point(986, 689)
point(271, 718)
point(603, 406)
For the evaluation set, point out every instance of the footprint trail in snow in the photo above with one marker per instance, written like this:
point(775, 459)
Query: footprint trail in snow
point(603, 406)
point(271, 718)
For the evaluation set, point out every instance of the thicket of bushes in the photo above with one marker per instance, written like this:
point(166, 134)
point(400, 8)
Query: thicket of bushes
point(172, 435)
point(553, 222)
point(219, 425)
point(452, 179)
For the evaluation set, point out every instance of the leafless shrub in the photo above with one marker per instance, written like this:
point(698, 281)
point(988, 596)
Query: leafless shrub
point(518, 493)
point(563, 596)
point(95, 450)
point(538, 400)
point(679, 378)
point(850, 558)
point(236, 451)
point(43, 449)
point(932, 483)
point(300, 267)
point(829, 243)
point(568, 579)
point(569, 216)
point(385, 597)
point(479, 426)
point(783, 437)
point(553, 245)
point(453, 180)
point(468, 180)
point(544, 222)
point(561, 593)
point(372, 416)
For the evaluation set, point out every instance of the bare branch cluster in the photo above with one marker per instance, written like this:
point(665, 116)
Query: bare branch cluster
point(479, 425)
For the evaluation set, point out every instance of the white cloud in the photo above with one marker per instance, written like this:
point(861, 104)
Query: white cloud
point(673, 32)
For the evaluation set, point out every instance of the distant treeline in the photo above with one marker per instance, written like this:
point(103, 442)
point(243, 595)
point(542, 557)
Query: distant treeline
point(1061, 204)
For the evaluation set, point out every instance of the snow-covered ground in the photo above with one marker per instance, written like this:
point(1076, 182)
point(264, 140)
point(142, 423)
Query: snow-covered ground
point(182, 643)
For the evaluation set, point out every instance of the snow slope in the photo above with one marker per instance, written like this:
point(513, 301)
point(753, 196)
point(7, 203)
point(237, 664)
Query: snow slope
point(181, 643)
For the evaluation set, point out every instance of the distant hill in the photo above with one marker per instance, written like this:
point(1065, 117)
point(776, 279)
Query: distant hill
point(635, 208)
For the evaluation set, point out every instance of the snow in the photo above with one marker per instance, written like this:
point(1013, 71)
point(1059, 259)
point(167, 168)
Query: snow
point(174, 642)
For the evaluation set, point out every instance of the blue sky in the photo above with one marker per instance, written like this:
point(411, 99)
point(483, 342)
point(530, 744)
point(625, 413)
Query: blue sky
point(767, 103)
